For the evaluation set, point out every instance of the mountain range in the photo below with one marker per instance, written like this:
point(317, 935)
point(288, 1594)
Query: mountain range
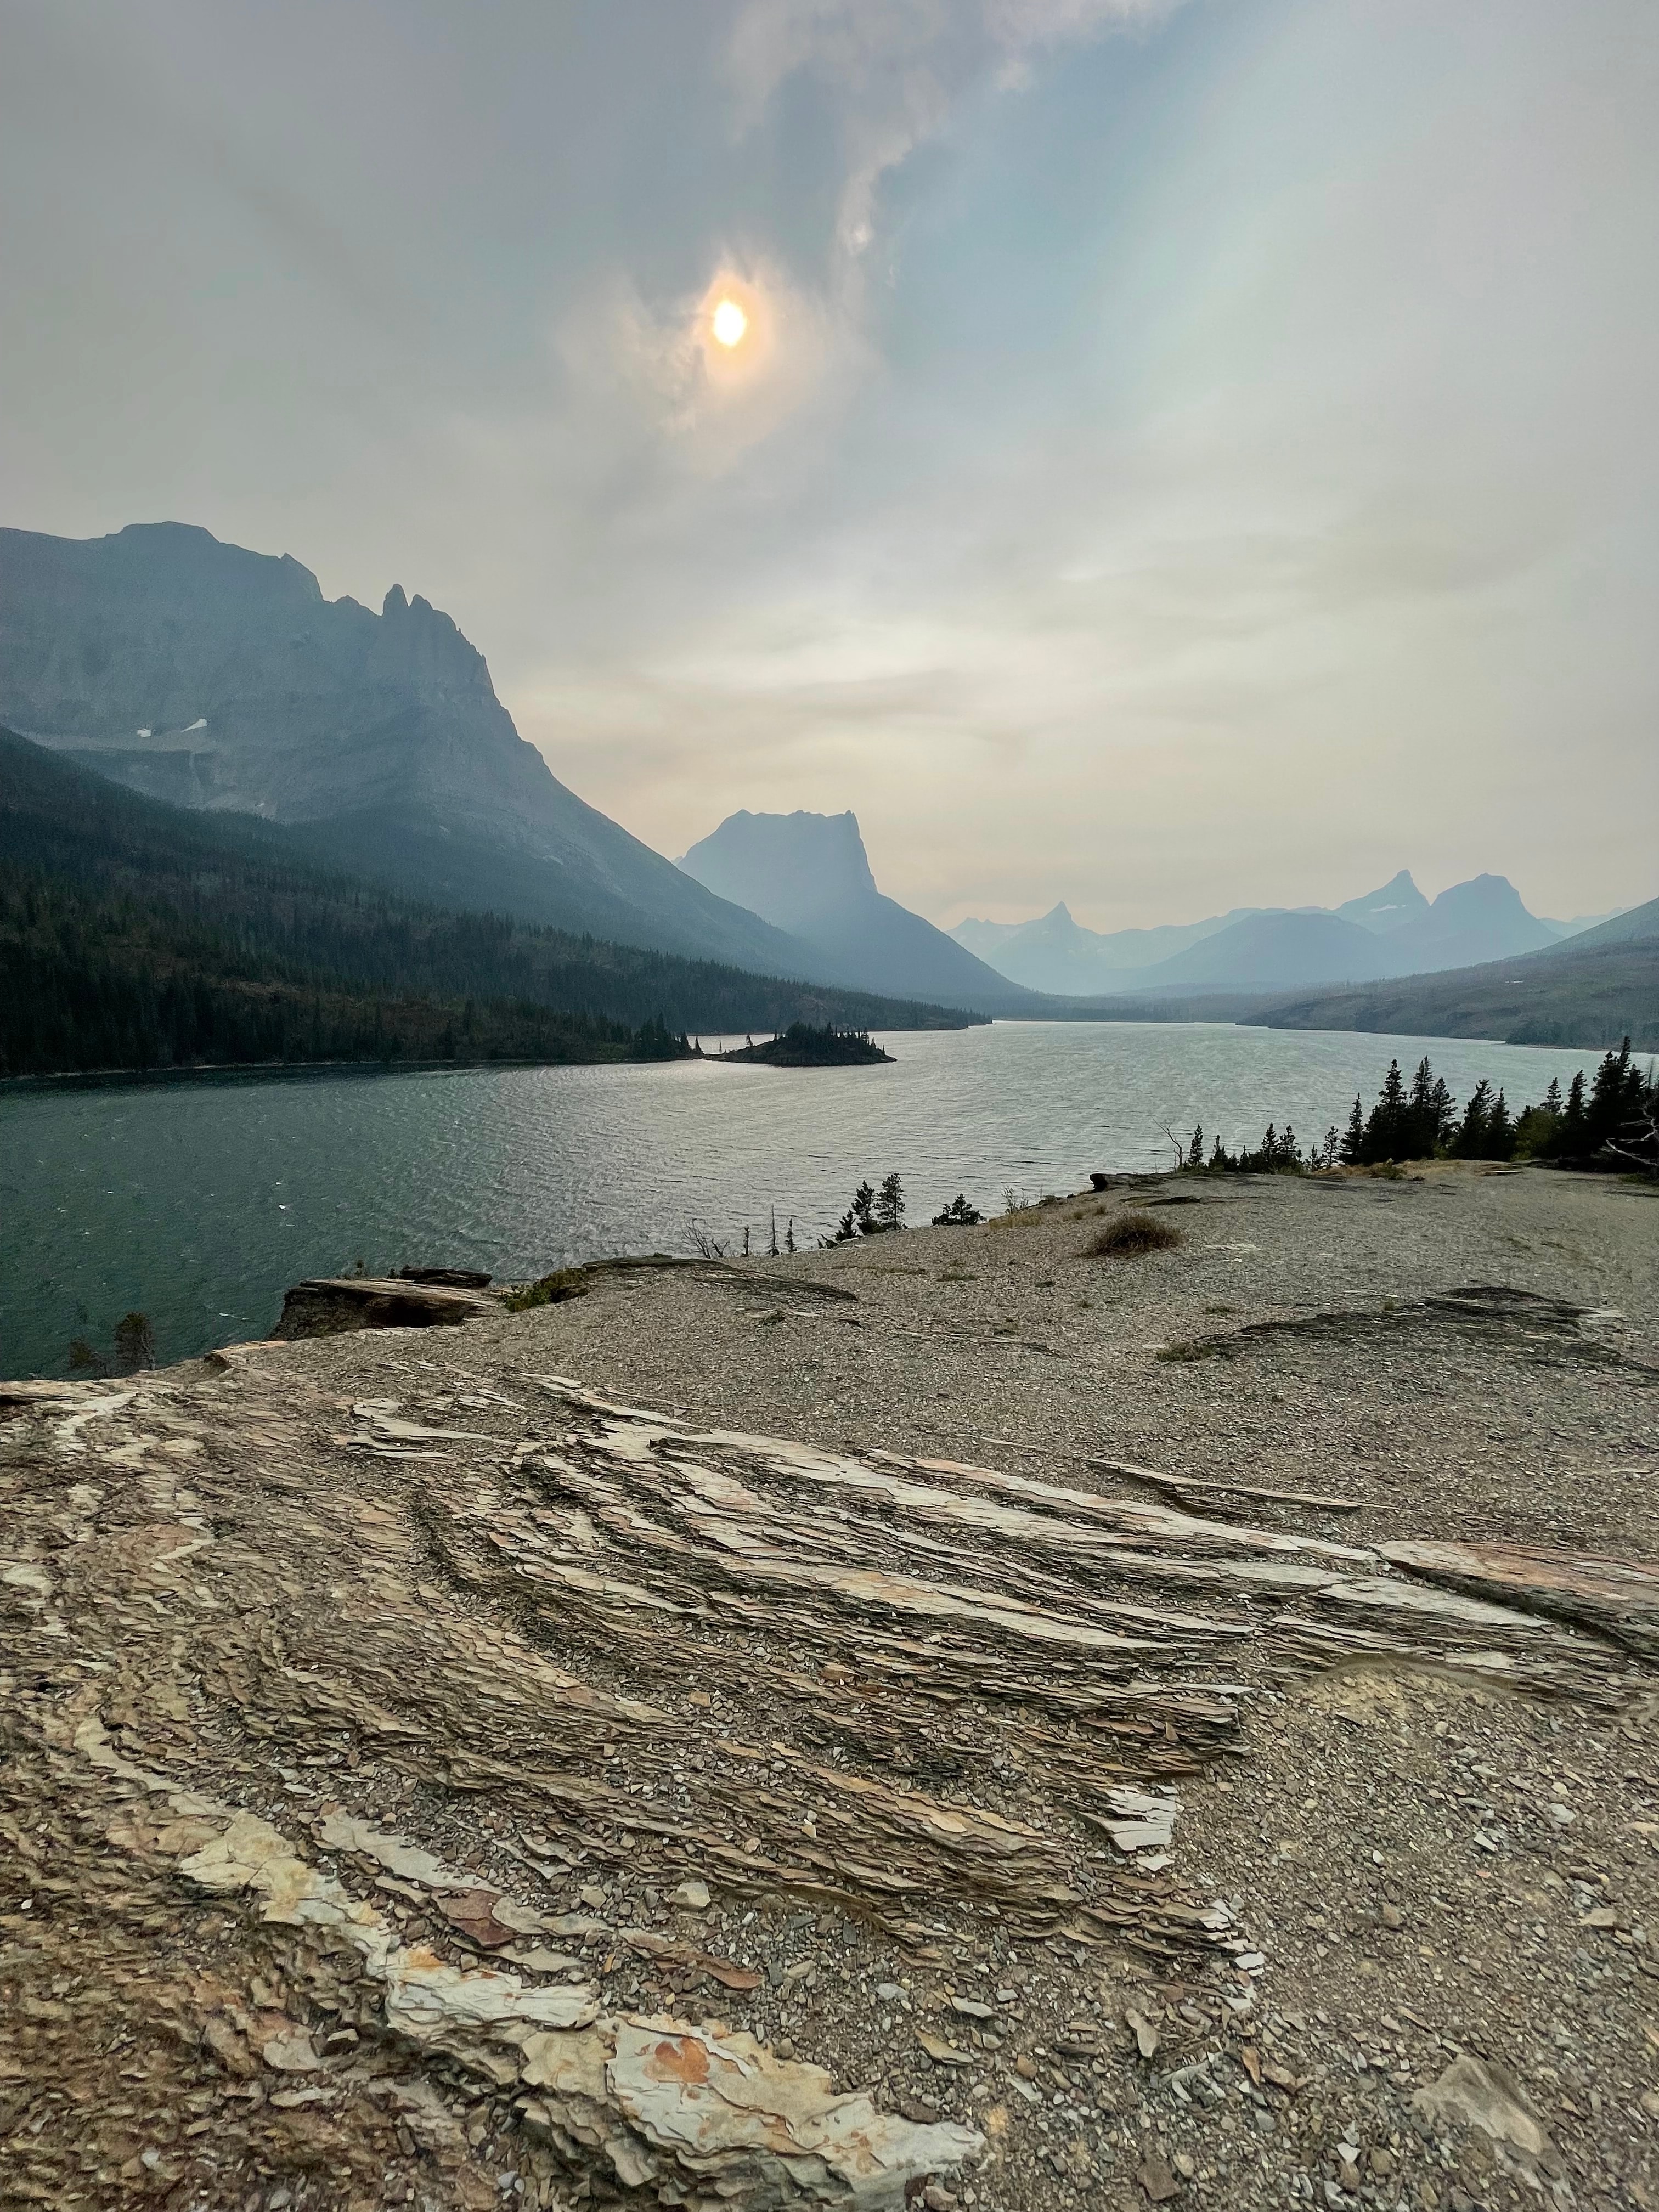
point(1587, 990)
point(137, 934)
point(218, 679)
point(210, 677)
point(1393, 931)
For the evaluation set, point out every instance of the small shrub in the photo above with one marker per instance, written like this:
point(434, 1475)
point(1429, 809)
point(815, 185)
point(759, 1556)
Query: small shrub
point(547, 1291)
point(1131, 1234)
point(958, 1215)
point(135, 1343)
point(1187, 1351)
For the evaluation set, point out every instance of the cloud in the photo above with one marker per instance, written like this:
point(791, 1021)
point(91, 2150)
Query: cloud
point(898, 70)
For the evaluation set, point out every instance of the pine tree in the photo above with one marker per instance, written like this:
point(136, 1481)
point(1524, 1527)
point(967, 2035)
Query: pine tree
point(1573, 1141)
point(1470, 1143)
point(1420, 1114)
point(789, 1235)
point(1616, 1097)
point(1195, 1150)
point(890, 1204)
point(1353, 1142)
point(1500, 1132)
point(1387, 1130)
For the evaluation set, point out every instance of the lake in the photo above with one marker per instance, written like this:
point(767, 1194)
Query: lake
point(199, 1202)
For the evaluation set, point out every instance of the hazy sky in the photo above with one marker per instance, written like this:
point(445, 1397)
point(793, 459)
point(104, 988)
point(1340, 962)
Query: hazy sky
point(1181, 455)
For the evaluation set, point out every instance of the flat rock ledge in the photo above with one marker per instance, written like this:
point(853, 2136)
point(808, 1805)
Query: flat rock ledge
point(333, 1305)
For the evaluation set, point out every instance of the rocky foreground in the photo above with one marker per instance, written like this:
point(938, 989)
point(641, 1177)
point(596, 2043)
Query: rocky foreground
point(953, 1720)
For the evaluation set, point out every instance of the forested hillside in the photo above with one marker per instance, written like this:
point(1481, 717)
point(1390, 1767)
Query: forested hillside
point(134, 934)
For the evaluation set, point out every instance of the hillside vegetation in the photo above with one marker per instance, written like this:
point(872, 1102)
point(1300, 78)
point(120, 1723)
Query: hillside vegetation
point(1586, 993)
point(135, 935)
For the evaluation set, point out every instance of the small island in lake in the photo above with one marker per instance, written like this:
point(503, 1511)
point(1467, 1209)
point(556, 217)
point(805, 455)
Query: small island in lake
point(802, 1046)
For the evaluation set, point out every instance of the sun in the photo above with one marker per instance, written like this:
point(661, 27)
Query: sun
point(729, 323)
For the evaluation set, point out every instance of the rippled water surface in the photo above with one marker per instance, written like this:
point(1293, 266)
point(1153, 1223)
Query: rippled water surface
point(199, 1202)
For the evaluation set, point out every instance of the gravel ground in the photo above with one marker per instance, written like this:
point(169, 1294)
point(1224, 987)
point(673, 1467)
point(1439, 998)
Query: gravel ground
point(1436, 1872)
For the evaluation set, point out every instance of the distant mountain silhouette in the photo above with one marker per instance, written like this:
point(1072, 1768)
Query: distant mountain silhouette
point(1481, 920)
point(1056, 953)
point(1588, 992)
point(809, 875)
point(1274, 951)
point(212, 677)
point(1399, 902)
point(1393, 931)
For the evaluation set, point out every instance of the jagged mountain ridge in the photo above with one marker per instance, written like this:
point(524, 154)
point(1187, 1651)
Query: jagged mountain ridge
point(214, 678)
point(809, 875)
point(1392, 931)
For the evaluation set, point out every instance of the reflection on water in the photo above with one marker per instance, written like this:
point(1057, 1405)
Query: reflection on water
point(199, 1202)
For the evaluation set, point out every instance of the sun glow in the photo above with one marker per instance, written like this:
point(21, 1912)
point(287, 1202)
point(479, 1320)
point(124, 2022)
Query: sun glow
point(729, 323)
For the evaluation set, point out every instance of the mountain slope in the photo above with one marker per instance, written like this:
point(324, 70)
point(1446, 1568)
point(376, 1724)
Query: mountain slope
point(1274, 951)
point(133, 933)
point(1637, 925)
point(217, 678)
point(809, 875)
point(1590, 992)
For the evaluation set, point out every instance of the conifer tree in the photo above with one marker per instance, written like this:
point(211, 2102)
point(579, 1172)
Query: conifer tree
point(1353, 1143)
point(1574, 1138)
point(888, 1211)
point(1500, 1132)
point(1470, 1143)
point(1385, 1131)
point(1616, 1097)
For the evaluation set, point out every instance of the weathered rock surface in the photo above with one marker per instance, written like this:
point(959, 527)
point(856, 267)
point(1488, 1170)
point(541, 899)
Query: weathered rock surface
point(333, 1305)
point(430, 1778)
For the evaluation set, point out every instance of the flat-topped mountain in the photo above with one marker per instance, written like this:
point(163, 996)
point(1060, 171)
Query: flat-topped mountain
point(809, 874)
point(214, 678)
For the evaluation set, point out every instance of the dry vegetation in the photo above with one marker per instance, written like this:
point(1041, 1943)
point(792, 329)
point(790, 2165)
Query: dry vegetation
point(1128, 1234)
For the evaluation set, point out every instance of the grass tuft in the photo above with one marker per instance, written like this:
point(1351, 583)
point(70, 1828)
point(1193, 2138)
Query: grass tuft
point(1131, 1234)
